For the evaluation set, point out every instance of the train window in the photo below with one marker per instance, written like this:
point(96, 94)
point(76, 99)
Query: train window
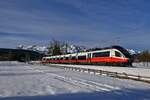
point(73, 58)
point(57, 58)
point(61, 58)
point(81, 57)
point(101, 54)
point(117, 54)
point(66, 58)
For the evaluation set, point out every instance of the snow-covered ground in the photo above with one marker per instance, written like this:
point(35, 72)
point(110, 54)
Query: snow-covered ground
point(20, 81)
point(141, 65)
point(140, 71)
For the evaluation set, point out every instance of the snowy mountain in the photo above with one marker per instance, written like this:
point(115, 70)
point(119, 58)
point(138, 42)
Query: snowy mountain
point(70, 48)
point(41, 49)
point(75, 49)
point(132, 51)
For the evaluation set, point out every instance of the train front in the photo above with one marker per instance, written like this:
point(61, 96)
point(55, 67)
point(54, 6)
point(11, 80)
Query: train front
point(126, 54)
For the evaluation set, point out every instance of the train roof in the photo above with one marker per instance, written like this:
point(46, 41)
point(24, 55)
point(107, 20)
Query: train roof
point(120, 48)
point(111, 47)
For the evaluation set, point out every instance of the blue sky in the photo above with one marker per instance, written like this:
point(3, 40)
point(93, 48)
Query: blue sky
point(82, 22)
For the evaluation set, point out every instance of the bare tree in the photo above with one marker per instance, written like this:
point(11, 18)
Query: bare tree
point(54, 47)
point(144, 57)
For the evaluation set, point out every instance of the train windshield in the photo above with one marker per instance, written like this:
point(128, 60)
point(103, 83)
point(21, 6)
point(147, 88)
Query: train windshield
point(124, 51)
point(117, 54)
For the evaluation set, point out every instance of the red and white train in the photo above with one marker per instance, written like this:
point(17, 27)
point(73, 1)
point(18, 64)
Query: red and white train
point(113, 56)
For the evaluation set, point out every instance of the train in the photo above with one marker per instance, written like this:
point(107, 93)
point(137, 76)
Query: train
point(109, 56)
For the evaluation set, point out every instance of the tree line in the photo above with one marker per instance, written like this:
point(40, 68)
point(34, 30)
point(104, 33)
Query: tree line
point(57, 47)
point(143, 57)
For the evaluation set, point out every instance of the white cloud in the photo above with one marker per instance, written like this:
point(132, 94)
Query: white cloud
point(84, 22)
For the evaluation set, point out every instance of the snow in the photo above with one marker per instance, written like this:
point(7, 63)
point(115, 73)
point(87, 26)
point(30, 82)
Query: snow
point(145, 65)
point(131, 51)
point(41, 49)
point(21, 81)
point(128, 70)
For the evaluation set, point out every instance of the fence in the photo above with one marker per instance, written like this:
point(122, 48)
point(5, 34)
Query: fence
point(107, 73)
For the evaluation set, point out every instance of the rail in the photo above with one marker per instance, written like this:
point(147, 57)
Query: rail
point(107, 73)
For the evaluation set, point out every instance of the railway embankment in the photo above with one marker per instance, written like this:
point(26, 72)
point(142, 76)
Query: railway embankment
point(139, 74)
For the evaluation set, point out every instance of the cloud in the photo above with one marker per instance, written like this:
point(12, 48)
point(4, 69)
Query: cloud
point(97, 22)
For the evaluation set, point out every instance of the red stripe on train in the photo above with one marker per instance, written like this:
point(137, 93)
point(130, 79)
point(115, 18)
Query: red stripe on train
point(108, 59)
point(96, 59)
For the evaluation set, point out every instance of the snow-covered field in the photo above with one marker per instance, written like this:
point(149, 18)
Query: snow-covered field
point(142, 65)
point(20, 81)
point(139, 71)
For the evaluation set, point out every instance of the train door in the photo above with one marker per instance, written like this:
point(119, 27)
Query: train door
point(89, 58)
